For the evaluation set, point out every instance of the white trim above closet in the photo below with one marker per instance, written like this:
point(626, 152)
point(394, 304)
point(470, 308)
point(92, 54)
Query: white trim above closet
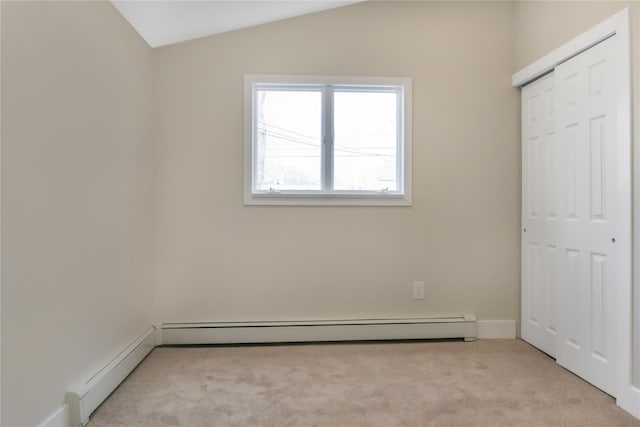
point(616, 24)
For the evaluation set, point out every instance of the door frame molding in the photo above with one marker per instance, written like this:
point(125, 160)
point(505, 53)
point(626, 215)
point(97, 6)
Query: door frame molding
point(627, 395)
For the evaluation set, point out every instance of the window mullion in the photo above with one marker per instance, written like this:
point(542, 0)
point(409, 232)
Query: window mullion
point(327, 152)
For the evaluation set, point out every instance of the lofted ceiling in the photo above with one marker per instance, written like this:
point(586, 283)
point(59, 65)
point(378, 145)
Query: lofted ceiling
point(163, 22)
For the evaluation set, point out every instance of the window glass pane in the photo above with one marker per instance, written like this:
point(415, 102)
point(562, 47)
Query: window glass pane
point(365, 148)
point(288, 140)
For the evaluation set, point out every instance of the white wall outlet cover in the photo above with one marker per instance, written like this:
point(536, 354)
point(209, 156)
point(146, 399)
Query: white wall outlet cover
point(418, 290)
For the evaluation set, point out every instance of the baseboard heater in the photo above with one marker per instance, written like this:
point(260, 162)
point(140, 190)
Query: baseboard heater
point(461, 326)
point(86, 397)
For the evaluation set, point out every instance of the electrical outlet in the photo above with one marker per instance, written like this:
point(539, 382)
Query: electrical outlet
point(418, 290)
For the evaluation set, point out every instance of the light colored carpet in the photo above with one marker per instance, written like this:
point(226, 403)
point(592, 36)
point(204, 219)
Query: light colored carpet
point(484, 383)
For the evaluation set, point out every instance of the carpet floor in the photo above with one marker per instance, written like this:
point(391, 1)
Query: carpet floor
point(483, 383)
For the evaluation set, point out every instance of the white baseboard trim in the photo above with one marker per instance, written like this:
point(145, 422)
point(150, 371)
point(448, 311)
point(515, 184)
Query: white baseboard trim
point(496, 329)
point(459, 326)
point(59, 418)
point(629, 400)
point(158, 334)
point(84, 398)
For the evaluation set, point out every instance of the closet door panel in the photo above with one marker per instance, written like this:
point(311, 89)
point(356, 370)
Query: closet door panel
point(586, 116)
point(540, 207)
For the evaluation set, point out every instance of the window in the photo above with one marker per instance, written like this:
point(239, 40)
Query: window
point(313, 140)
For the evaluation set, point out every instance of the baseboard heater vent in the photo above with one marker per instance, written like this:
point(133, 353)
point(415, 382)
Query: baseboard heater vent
point(86, 397)
point(462, 326)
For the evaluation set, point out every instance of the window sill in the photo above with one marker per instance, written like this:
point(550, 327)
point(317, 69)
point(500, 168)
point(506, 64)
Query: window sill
point(293, 199)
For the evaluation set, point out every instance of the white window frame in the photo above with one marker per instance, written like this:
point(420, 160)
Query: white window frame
point(401, 197)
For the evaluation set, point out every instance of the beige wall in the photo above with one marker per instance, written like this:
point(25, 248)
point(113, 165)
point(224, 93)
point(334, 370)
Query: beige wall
point(544, 26)
point(76, 176)
point(79, 186)
point(220, 260)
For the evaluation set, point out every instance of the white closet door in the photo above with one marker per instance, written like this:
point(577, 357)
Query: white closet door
point(540, 207)
point(586, 239)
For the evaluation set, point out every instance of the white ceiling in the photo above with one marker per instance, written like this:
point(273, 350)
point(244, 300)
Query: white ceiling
point(162, 22)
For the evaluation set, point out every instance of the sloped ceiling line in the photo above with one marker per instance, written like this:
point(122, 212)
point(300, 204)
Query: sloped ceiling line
point(162, 23)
